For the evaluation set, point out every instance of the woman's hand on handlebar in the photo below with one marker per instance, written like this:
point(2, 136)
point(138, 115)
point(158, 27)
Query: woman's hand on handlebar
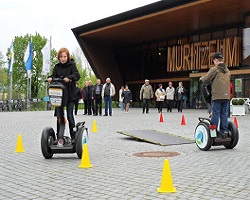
point(66, 79)
point(59, 79)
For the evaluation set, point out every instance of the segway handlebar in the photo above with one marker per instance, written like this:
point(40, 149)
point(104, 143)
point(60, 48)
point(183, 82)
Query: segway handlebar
point(201, 119)
point(58, 80)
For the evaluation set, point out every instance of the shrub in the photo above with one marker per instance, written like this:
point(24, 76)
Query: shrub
point(235, 101)
point(241, 101)
point(238, 101)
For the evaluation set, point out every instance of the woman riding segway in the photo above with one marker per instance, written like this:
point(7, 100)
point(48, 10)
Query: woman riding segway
point(68, 71)
point(61, 91)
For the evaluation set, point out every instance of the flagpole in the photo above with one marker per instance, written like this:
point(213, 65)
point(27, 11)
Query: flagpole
point(10, 85)
point(47, 72)
point(27, 96)
point(30, 79)
point(11, 61)
point(30, 86)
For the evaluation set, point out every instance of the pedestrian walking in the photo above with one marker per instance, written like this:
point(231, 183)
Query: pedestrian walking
point(160, 95)
point(170, 93)
point(146, 94)
point(108, 91)
point(127, 98)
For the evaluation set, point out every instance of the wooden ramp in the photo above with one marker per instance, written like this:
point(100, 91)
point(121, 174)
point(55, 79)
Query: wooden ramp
point(157, 137)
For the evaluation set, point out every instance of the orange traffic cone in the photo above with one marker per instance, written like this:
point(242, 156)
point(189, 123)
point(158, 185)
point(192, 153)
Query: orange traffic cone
point(236, 122)
point(183, 122)
point(161, 118)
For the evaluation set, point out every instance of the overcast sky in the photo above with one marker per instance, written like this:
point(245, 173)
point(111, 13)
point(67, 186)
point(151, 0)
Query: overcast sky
point(55, 18)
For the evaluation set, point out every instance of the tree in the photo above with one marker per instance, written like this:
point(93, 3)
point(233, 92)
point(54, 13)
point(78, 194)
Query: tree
point(19, 80)
point(38, 86)
point(83, 67)
point(2, 62)
point(37, 79)
point(19, 75)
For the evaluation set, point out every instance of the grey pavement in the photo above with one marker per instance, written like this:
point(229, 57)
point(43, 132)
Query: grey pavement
point(117, 174)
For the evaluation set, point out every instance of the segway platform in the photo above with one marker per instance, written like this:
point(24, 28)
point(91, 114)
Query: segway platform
point(206, 135)
point(68, 148)
point(50, 147)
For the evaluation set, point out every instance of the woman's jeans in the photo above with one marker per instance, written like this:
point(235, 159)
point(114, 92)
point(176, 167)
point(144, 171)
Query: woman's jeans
point(70, 116)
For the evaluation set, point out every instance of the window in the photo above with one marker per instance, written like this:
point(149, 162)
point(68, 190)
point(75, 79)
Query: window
point(217, 35)
point(231, 33)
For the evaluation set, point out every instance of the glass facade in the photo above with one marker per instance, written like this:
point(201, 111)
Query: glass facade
point(151, 61)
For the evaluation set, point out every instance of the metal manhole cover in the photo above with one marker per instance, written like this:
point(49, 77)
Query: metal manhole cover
point(156, 154)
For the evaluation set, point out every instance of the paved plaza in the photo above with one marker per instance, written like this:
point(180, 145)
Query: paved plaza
point(117, 174)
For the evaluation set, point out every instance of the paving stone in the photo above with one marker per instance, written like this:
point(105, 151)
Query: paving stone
point(116, 173)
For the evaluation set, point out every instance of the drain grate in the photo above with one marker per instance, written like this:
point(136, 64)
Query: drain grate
point(156, 154)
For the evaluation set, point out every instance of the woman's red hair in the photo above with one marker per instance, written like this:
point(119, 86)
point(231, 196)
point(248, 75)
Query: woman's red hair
point(63, 50)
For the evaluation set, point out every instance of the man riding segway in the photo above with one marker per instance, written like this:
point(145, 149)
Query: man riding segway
point(219, 77)
point(207, 132)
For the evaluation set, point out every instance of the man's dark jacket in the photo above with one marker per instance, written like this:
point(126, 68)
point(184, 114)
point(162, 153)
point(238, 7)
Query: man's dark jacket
point(94, 90)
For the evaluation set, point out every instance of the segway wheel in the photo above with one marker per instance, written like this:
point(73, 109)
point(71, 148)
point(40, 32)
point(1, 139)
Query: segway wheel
point(47, 139)
point(81, 138)
point(202, 136)
point(233, 134)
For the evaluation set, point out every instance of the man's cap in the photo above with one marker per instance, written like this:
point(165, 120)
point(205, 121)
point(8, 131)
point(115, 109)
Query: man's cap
point(218, 55)
point(146, 80)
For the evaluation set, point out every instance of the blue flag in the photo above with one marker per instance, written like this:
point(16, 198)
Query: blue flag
point(28, 56)
point(11, 58)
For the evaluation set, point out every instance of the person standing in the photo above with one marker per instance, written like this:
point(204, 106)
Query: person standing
point(121, 98)
point(78, 96)
point(231, 96)
point(219, 76)
point(98, 97)
point(170, 93)
point(127, 98)
point(108, 91)
point(146, 94)
point(91, 108)
point(160, 95)
point(185, 99)
point(66, 69)
point(85, 97)
point(180, 91)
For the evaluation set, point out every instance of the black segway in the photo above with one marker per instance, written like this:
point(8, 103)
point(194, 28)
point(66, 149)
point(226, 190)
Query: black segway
point(49, 143)
point(205, 133)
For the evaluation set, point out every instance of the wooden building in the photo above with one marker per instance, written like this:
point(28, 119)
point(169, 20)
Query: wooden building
point(170, 40)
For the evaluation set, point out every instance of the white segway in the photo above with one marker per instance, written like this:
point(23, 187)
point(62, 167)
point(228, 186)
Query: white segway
point(205, 133)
